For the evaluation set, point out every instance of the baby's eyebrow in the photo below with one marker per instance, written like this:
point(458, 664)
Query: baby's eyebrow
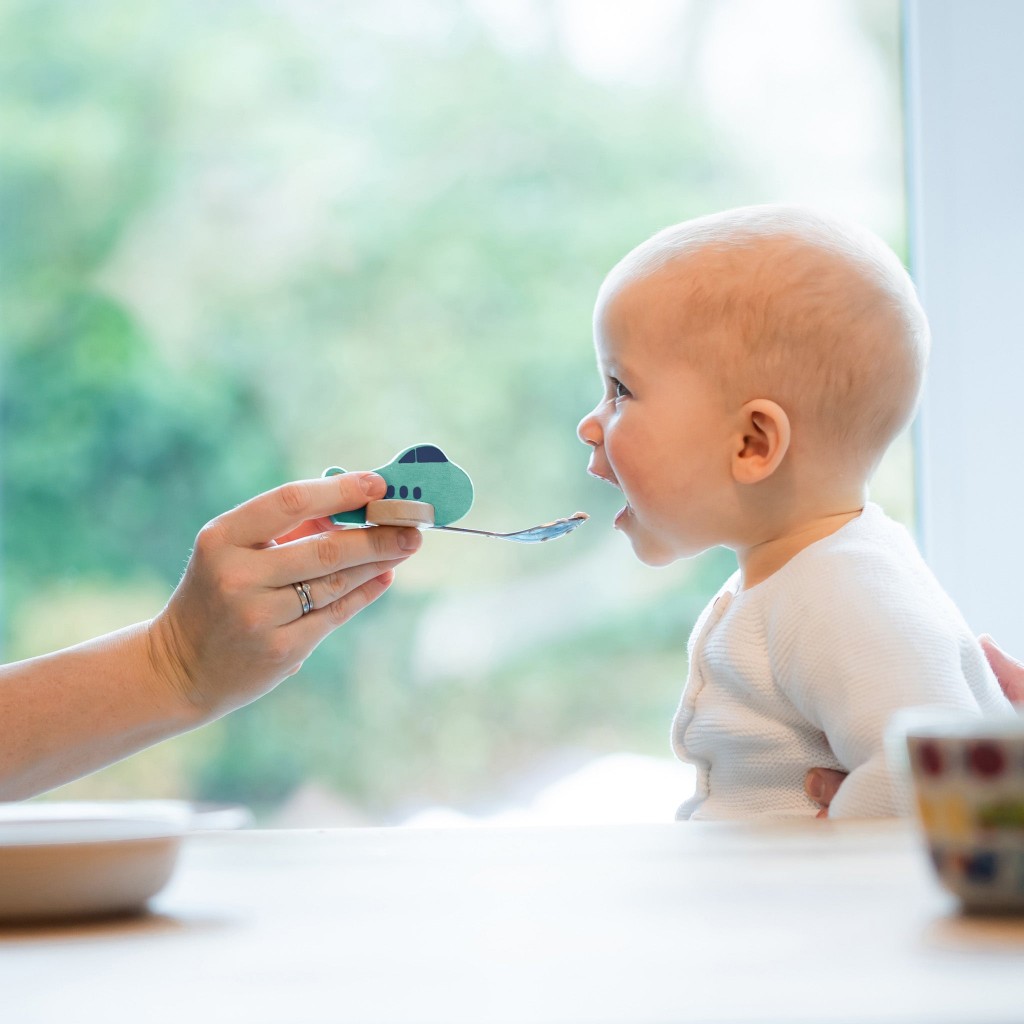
point(614, 368)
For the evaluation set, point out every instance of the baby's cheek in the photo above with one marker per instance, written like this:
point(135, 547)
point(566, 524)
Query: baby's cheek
point(631, 466)
point(654, 485)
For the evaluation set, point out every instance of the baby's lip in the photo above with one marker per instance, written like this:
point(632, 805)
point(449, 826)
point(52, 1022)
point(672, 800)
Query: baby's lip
point(607, 477)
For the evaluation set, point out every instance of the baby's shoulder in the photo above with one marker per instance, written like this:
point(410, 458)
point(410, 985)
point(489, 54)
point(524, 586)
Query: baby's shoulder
point(871, 570)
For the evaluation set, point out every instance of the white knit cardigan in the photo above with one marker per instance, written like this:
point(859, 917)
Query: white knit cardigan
point(807, 667)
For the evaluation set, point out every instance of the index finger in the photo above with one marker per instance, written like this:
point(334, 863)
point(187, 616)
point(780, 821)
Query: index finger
point(256, 522)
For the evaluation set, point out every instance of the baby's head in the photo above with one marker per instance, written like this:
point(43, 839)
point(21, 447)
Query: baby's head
point(766, 351)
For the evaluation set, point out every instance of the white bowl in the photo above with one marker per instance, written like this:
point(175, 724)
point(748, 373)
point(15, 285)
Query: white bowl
point(76, 860)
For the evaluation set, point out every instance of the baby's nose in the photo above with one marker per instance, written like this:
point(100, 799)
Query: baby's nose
point(589, 430)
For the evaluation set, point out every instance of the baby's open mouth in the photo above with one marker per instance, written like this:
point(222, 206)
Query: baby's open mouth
point(608, 478)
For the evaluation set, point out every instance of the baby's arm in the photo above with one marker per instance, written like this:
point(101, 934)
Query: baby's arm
point(860, 655)
point(822, 784)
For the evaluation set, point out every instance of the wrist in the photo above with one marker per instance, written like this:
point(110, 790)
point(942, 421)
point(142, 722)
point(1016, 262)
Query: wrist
point(169, 662)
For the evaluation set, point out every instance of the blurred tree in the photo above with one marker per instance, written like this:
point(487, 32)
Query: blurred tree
point(110, 463)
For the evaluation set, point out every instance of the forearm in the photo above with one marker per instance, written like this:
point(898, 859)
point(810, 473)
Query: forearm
point(66, 714)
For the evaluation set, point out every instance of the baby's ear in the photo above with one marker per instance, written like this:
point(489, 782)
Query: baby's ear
point(762, 441)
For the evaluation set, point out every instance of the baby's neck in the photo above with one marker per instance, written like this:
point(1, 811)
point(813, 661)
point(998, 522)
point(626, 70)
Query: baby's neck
point(767, 556)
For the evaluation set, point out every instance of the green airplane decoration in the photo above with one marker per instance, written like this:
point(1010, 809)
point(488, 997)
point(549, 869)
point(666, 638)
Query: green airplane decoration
point(422, 473)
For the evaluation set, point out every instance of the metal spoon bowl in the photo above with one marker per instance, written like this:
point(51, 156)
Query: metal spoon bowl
point(533, 535)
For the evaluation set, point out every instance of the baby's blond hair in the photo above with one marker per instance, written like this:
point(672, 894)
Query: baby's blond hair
point(785, 303)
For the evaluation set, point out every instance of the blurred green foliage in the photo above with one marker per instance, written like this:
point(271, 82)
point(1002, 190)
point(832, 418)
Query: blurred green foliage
point(244, 241)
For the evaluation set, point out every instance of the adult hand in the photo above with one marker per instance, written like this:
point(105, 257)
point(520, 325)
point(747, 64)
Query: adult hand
point(821, 785)
point(1009, 671)
point(234, 627)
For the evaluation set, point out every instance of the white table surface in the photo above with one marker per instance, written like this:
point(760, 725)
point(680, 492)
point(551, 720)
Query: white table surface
point(813, 921)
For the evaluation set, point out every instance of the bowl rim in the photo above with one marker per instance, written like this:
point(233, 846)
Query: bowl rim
point(59, 823)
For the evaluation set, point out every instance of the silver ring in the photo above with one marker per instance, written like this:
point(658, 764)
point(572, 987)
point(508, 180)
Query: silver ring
point(305, 597)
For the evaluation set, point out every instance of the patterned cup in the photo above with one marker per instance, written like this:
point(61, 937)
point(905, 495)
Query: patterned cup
point(967, 778)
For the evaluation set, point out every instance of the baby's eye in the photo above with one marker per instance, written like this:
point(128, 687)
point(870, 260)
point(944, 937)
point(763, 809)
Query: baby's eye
point(619, 390)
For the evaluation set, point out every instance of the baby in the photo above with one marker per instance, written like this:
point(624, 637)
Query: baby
point(756, 365)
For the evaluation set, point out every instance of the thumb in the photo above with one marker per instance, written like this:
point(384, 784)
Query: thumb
point(822, 784)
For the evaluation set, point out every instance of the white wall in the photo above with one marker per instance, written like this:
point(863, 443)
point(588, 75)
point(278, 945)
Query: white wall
point(965, 93)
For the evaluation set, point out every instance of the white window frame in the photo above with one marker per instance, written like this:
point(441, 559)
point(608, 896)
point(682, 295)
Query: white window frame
point(965, 131)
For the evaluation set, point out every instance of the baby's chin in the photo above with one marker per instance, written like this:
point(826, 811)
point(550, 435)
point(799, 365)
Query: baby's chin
point(653, 552)
point(657, 551)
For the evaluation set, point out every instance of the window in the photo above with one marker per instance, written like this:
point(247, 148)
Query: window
point(428, 453)
point(245, 242)
point(965, 94)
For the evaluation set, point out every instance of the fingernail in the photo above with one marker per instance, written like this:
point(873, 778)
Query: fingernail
point(371, 483)
point(815, 787)
point(409, 539)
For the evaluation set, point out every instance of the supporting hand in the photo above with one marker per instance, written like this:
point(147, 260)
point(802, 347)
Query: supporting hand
point(1009, 671)
point(821, 785)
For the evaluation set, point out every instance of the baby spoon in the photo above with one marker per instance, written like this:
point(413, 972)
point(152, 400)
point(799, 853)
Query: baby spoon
point(427, 490)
